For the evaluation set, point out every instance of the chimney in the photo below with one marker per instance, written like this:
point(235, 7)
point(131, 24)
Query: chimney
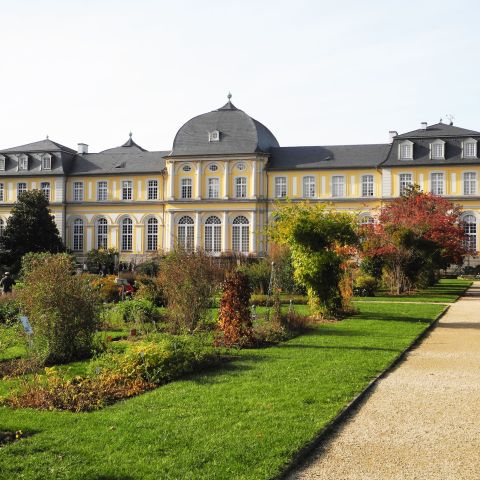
point(424, 125)
point(392, 134)
point(82, 148)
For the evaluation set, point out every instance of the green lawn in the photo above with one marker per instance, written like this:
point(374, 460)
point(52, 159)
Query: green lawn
point(243, 420)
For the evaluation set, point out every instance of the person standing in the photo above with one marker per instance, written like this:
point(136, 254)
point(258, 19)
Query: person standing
point(6, 283)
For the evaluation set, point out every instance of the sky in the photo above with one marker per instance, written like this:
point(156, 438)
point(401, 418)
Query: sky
point(314, 72)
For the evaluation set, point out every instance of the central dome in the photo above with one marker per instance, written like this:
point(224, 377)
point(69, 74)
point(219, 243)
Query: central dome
point(225, 131)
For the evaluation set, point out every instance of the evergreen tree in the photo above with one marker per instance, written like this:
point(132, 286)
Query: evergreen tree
point(30, 228)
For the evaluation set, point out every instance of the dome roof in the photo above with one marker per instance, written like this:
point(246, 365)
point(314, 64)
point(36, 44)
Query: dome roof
point(227, 130)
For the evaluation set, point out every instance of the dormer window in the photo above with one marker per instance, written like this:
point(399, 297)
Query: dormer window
point(437, 150)
point(469, 148)
point(2, 162)
point(23, 162)
point(46, 161)
point(406, 150)
point(214, 136)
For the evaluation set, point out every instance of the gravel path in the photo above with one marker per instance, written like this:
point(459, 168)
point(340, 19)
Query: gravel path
point(423, 420)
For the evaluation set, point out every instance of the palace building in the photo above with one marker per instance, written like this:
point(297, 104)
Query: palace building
point(217, 186)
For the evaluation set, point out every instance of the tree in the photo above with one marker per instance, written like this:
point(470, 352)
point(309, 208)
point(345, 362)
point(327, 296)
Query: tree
point(416, 235)
point(317, 237)
point(30, 228)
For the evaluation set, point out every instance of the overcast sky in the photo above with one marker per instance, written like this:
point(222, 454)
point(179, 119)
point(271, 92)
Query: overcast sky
point(314, 72)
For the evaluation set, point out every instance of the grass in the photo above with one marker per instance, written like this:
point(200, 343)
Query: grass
point(243, 420)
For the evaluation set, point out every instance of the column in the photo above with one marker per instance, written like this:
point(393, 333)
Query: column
point(140, 191)
point(139, 237)
point(171, 231)
point(254, 179)
point(253, 233)
point(89, 237)
point(225, 232)
point(171, 185)
point(198, 229)
point(226, 180)
point(113, 230)
point(199, 180)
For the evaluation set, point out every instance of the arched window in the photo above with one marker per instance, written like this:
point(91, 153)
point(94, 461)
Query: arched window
point(152, 234)
point(127, 234)
point(78, 235)
point(186, 232)
point(309, 187)
point(213, 235)
point(470, 228)
point(101, 233)
point(2, 226)
point(240, 235)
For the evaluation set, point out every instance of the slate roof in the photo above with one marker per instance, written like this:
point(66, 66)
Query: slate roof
point(422, 138)
point(327, 157)
point(239, 134)
point(439, 130)
point(46, 145)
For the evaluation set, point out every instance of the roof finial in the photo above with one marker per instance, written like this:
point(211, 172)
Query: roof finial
point(47, 136)
point(130, 134)
point(229, 96)
point(441, 120)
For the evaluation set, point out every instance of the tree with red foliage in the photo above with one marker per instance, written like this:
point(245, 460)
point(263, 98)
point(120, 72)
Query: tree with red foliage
point(416, 235)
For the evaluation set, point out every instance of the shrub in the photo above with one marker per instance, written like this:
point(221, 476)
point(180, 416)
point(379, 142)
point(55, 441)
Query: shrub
point(365, 286)
point(132, 311)
point(263, 300)
point(188, 280)
point(150, 289)
point(106, 287)
point(102, 260)
point(62, 308)
point(258, 274)
point(234, 318)
point(9, 308)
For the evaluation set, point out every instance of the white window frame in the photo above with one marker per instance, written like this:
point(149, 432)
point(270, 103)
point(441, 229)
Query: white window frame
point(440, 155)
point(24, 189)
point(2, 192)
point(309, 186)
point(151, 230)
point(186, 233)
point(78, 191)
point(101, 233)
point(470, 190)
point(102, 190)
point(152, 189)
point(471, 230)
point(401, 189)
point(45, 189)
point(213, 187)
point(186, 187)
point(126, 234)
point(46, 161)
point(441, 190)
point(213, 235)
point(367, 185)
point(23, 162)
point(338, 190)
point(240, 184)
point(241, 234)
point(78, 232)
point(3, 163)
point(401, 152)
point(281, 187)
point(127, 190)
point(472, 142)
point(367, 219)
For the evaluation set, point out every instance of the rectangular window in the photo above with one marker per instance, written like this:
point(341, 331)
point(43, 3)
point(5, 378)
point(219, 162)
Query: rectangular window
point(406, 180)
point(21, 187)
point(309, 187)
point(78, 191)
point(45, 188)
point(406, 152)
point(46, 162)
point(2, 162)
point(152, 190)
point(367, 185)
point(213, 189)
point(338, 186)
point(23, 163)
point(280, 187)
point(2, 192)
point(470, 150)
point(186, 188)
point(241, 187)
point(437, 150)
point(436, 180)
point(469, 183)
point(127, 190)
point(102, 191)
